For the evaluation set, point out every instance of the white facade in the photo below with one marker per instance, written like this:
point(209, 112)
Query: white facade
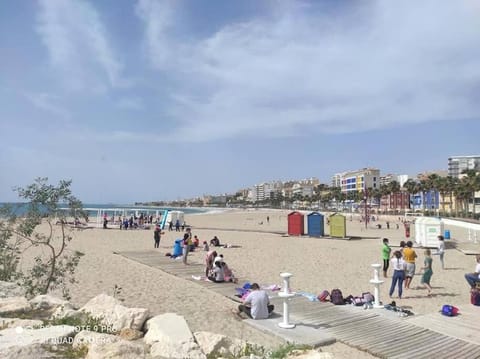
point(458, 164)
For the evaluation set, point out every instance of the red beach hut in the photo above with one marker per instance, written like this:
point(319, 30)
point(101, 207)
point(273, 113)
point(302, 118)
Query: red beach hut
point(295, 224)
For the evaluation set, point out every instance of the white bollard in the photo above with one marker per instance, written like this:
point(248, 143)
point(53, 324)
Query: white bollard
point(286, 295)
point(376, 282)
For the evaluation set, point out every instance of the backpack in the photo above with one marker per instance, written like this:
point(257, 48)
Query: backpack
point(367, 297)
point(336, 297)
point(323, 297)
point(475, 297)
point(449, 310)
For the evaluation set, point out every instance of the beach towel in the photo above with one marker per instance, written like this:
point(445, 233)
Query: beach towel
point(310, 296)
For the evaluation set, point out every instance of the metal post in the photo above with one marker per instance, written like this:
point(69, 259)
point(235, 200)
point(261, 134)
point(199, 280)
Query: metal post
point(376, 282)
point(286, 295)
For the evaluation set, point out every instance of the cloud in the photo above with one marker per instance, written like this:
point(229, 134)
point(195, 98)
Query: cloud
point(305, 69)
point(48, 103)
point(77, 43)
point(130, 103)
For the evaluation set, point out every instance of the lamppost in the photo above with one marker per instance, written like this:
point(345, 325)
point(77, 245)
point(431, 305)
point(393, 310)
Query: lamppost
point(365, 198)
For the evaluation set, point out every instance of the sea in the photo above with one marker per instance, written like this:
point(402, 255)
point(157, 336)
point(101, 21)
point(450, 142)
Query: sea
point(92, 208)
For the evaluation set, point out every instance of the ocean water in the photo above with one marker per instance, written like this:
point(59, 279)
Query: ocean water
point(20, 208)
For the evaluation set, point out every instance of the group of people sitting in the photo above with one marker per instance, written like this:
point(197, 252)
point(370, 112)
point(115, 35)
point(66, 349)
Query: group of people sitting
point(216, 270)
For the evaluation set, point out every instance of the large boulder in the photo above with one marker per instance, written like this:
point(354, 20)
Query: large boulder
point(114, 314)
point(47, 302)
point(122, 349)
point(19, 337)
point(9, 289)
point(217, 343)
point(16, 322)
point(88, 338)
point(14, 305)
point(65, 310)
point(170, 337)
point(27, 352)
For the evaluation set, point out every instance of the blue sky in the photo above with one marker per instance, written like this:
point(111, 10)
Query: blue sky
point(157, 100)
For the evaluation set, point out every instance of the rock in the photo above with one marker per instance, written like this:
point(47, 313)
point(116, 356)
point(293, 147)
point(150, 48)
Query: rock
point(114, 314)
point(121, 349)
point(88, 338)
point(171, 337)
point(14, 305)
point(16, 322)
point(19, 337)
point(311, 354)
point(27, 352)
point(130, 334)
point(47, 302)
point(217, 343)
point(9, 289)
point(64, 311)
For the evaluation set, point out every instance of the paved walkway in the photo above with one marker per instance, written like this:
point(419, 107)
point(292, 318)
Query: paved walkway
point(379, 332)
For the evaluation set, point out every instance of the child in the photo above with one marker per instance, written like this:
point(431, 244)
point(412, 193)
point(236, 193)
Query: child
point(386, 256)
point(427, 271)
point(206, 248)
point(229, 277)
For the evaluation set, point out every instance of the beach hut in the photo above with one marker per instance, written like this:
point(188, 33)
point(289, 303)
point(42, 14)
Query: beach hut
point(315, 225)
point(172, 216)
point(427, 230)
point(338, 226)
point(295, 224)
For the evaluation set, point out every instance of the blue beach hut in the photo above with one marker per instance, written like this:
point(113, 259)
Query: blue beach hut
point(315, 224)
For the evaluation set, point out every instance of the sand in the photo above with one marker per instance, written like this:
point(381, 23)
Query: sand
point(262, 253)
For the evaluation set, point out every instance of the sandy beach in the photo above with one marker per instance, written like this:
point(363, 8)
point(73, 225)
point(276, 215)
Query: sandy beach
point(261, 252)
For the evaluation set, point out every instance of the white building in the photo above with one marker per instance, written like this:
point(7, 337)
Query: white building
point(458, 164)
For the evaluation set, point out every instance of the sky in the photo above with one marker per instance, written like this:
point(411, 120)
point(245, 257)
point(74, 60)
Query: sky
point(162, 100)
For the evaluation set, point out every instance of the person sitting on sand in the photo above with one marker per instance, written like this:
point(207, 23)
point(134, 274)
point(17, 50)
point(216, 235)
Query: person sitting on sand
point(474, 278)
point(217, 274)
point(256, 305)
point(196, 241)
point(215, 241)
point(229, 277)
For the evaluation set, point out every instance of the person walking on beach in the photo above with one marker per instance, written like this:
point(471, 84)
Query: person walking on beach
point(386, 256)
point(398, 265)
point(409, 256)
point(256, 305)
point(427, 271)
point(441, 249)
point(157, 232)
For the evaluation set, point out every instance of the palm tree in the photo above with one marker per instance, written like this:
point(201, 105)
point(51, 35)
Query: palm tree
point(451, 184)
point(471, 182)
point(393, 188)
point(411, 187)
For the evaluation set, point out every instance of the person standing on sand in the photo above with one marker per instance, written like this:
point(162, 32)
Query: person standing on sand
point(386, 256)
point(441, 249)
point(409, 256)
point(187, 244)
point(157, 232)
point(398, 265)
point(427, 271)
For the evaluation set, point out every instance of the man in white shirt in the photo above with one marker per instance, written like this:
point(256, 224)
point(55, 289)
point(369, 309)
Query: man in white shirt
point(256, 305)
point(474, 278)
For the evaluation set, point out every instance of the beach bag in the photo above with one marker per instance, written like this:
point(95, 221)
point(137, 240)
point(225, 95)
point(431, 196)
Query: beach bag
point(475, 297)
point(336, 297)
point(367, 297)
point(323, 297)
point(358, 301)
point(449, 310)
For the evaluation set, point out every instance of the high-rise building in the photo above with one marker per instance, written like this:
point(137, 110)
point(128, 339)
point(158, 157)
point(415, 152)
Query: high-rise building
point(458, 164)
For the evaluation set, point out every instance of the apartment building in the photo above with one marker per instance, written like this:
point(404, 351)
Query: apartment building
point(458, 164)
point(357, 180)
